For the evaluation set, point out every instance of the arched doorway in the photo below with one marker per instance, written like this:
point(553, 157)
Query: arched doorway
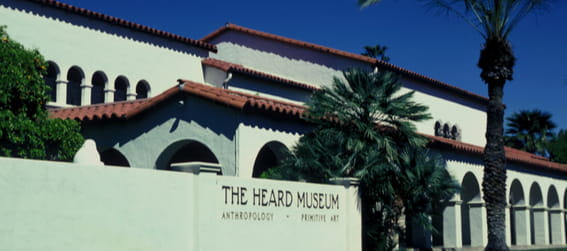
point(537, 216)
point(471, 212)
point(518, 214)
point(112, 157)
point(99, 83)
point(269, 156)
point(75, 78)
point(185, 151)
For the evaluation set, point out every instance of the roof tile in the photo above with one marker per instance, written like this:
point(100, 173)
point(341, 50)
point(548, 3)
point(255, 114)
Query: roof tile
point(252, 103)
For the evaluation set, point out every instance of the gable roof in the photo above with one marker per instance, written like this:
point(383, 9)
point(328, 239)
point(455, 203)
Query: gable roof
point(124, 23)
point(256, 104)
point(231, 67)
point(385, 65)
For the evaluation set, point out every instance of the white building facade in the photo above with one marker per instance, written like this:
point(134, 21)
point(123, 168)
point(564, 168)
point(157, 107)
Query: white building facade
point(150, 98)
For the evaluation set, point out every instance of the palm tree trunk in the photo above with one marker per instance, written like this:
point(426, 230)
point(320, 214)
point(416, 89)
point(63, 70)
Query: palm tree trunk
point(494, 180)
point(497, 62)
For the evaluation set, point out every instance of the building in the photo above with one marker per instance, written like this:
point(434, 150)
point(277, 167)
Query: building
point(150, 98)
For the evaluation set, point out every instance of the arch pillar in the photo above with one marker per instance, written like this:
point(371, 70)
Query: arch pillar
point(522, 223)
point(452, 235)
point(131, 96)
point(86, 94)
point(556, 226)
point(60, 91)
point(478, 225)
point(109, 95)
point(541, 234)
point(507, 226)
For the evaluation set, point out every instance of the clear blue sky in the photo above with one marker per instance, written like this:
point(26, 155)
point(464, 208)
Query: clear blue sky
point(418, 38)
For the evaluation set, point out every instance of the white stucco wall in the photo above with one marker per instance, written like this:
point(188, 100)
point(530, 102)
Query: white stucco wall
point(63, 206)
point(318, 69)
point(74, 40)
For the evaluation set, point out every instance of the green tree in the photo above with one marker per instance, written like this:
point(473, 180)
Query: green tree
point(377, 52)
point(364, 129)
point(494, 20)
point(557, 147)
point(529, 130)
point(25, 129)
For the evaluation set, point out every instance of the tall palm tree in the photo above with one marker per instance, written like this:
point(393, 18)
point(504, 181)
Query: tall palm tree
point(494, 20)
point(529, 130)
point(377, 52)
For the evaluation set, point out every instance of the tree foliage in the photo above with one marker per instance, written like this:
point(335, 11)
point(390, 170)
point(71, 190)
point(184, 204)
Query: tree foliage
point(529, 130)
point(25, 129)
point(364, 129)
point(557, 147)
point(377, 52)
point(494, 20)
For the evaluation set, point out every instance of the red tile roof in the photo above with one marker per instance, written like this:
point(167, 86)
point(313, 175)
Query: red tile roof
point(126, 24)
point(129, 109)
point(373, 61)
point(231, 67)
point(512, 155)
point(252, 103)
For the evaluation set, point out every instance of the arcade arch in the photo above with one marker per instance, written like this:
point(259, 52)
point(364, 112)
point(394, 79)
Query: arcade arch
point(185, 151)
point(537, 215)
point(471, 211)
point(269, 156)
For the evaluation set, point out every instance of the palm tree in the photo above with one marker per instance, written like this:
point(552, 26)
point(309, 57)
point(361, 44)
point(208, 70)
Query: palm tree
point(376, 51)
point(364, 129)
point(494, 20)
point(529, 130)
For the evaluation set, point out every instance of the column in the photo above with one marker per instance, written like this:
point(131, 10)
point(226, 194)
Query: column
point(86, 94)
point(109, 95)
point(507, 226)
point(452, 236)
point(521, 217)
point(541, 234)
point(479, 229)
point(131, 96)
point(354, 221)
point(557, 227)
point(61, 92)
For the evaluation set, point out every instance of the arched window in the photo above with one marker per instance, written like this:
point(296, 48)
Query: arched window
point(142, 89)
point(75, 78)
point(438, 129)
point(446, 131)
point(121, 88)
point(99, 82)
point(555, 216)
point(455, 133)
point(112, 157)
point(270, 155)
point(51, 79)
